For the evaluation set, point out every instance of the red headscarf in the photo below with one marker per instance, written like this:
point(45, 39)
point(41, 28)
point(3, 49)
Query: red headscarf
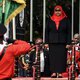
point(56, 18)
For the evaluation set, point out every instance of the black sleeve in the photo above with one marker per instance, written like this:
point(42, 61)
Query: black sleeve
point(47, 32)
point(10, 40)
point(68, 32)
point(32, 57)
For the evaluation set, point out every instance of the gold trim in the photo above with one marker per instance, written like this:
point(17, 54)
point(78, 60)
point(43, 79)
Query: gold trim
point(17, 11)
point(20, 1)
point(1, 4)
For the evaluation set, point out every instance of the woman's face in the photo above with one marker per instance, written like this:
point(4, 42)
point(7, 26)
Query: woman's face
point(57, 11)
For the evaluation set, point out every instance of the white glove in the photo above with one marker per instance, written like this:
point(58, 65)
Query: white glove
point(5, 37)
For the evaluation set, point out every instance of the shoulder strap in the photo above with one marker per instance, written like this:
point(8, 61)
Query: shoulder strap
point(3, 52)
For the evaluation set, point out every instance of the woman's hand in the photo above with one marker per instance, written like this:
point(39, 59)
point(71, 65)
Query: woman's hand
point(46, 46)
point(68, 46)
point(26, 67)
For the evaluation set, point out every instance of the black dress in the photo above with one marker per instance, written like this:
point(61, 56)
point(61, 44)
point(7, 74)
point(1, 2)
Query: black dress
point(57, 40)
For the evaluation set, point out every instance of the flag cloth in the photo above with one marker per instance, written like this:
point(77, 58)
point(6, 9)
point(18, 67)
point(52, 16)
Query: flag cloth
point(12, 8)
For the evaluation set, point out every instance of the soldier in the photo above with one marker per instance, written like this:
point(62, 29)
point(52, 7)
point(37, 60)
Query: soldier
point(8, 54)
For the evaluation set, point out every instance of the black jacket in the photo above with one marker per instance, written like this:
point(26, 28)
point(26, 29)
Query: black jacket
point(62, 35)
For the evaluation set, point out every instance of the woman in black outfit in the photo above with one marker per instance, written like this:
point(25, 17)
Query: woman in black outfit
point(58, 38)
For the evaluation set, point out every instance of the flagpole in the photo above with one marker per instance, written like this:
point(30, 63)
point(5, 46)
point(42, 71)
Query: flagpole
point(31, 20)
point(72, 18)
point(79, 16)
point(3, 16)
point(44, 19)
point(3, 11)
point(14, 28)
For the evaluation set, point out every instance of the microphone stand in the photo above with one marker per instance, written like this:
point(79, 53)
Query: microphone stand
point(73, 63)
point(36, 66)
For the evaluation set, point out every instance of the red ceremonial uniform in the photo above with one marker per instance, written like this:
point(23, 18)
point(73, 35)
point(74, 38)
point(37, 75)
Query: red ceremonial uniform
point(69, 56)
point(7, 62)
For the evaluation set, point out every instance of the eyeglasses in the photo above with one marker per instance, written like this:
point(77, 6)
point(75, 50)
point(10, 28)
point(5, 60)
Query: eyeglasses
point(76, 38)
point(57, 10)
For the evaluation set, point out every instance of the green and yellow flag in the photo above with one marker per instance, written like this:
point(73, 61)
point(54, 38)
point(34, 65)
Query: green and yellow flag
point(12, 8)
